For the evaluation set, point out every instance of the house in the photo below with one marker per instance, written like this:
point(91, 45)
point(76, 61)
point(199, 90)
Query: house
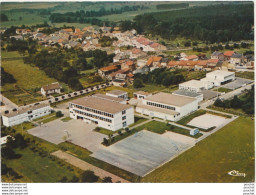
point(201, 65)
point(217, 55)
point(26, 114)
point(112, 76)
point(118, 94)
point(107, 70)
point(195, 85)
point(167, 106)
point(157, 47)
point(164, 62)
point(192, 57)
point(103, 112)
point(141, 70)
point(3, 140)
point(154, 61)
point(50, 89)
point(212, 63)
point(137, 53)
point(128, 65)
point(120, 80)
point(228, 54)
point(73, 44)
point(141, 95)
point(236, 59)
point(23, 31)
point(219, 77)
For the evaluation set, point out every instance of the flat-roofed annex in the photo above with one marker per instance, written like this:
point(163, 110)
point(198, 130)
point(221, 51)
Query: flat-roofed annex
point(116, 92)
point(170, 99)
point(101, 104)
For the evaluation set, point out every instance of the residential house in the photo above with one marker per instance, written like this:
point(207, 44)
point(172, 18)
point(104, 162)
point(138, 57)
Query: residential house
point(228, 54)
point(236, 59)
point(130, 64)
point(217, 55)
point(108, 70)
point(50, 89)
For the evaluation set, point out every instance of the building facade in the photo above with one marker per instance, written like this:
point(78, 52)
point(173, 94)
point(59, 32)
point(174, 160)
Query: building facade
point(50, 89)
point(118, 94)
point(219, 77)
point(102, 112)
point(167, 106)
point(26, 114)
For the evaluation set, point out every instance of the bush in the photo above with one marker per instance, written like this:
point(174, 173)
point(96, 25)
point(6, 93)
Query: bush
point(59, 114)
point(89, 177)
point(105, 141)
point(107, 180)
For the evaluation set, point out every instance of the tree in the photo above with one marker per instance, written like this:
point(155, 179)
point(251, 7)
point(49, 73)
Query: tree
point(74, 179)
point(235, 102)
point(218, 103)
point(20, 141)
point(107, 180)
point(59, 114)
point(4, 18)
point(105, 141)
point(64, 179)
point(88, 177)
point(8, 153)
point(137, 83)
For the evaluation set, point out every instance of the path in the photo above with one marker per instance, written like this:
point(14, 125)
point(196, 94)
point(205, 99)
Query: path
point(86, 166)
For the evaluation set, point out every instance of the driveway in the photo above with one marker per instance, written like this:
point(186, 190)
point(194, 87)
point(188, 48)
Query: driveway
point(76, 132)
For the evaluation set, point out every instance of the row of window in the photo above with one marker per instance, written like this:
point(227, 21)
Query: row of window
point(93, 116)
point(93, 110)
point(160, 105)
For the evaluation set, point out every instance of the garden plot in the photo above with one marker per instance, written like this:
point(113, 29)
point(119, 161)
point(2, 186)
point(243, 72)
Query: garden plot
point(142, 152)
point(207, 121)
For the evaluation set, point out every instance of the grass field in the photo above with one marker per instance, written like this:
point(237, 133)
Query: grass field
point(188, 118)
point(39, 169)
point(221, 89)
point(231, 148)
point(246, 75)
point(138, 120)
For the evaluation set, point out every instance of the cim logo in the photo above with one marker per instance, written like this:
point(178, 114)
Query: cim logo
point(236, 173)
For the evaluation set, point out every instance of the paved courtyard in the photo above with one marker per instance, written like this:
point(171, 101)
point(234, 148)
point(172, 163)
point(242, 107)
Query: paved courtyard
point(209, 94)
point(142, 152)
point(239, 82)
point(78, 132)
point(207, 121)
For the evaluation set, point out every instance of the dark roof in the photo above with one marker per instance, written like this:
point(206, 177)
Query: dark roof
point(165, 60)
point(216, 53)
point(51, 86)
point(236, 55)
point(186, 93)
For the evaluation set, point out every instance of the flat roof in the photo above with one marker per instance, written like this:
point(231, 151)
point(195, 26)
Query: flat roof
point(26, 109)
point(116, 92)
point(221, 72)
point(193, 83)
point(156, 109)
point(142, 93)
point(111, 98)
point(170, 99)
point(101, 104)
point(187, 93)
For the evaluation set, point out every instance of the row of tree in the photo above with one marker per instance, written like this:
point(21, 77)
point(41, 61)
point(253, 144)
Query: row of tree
point(246, 103)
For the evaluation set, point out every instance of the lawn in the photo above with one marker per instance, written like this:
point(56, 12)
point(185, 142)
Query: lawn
point(44, 117)
point(188, 118)
point(49, 119)
point(104, 131)
point(221, 89)
point(39, 169)
point(246, 75)
point(138, 120)
point(231, 148)
point(66, 119)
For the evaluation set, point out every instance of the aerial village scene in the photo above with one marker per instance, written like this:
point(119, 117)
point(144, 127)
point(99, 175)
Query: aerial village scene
point(127, 92)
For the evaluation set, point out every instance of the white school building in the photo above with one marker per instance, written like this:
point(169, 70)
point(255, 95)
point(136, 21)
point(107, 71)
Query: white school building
point(219, 77)
point(167, 106)
point(118, 94)
point(195, 85)
point(25, 114)
point(104, 112)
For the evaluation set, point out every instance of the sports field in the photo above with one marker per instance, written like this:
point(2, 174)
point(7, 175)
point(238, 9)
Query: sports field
point(231, 148)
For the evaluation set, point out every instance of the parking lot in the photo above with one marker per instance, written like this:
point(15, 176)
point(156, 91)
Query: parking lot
point(76, 132)
point(207, 121)
point(142, 152)
point(239, 82)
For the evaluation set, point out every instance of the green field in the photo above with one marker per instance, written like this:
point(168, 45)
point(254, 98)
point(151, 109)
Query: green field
point(40, 169)
point(231, 148)
point(221, 89)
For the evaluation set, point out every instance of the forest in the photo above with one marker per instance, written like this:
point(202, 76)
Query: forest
point(172, 6)
point(213, 23)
